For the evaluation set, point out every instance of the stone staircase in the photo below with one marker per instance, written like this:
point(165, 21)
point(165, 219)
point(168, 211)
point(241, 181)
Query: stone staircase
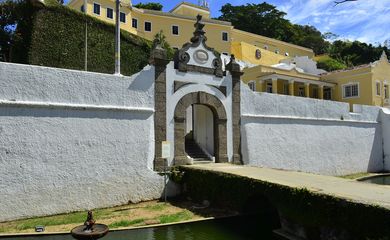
point(194, 151)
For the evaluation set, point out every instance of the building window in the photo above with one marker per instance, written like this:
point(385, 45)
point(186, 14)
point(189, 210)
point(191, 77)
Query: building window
point(386, 88)
point(327, 93)
point(175, 30)
point(285, 89)
point(225, 36)
point(134, 23)
point(351, 90)
point(110, 13)
point(148, 26)
point(122, 17)
point(301, 91)
point(378, 88)
point(315, 92)
point(269, 88)
point(96, 9)
point(82, 8)
point(252, 85)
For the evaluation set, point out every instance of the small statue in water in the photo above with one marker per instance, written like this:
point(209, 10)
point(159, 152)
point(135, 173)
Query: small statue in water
point(89, 222)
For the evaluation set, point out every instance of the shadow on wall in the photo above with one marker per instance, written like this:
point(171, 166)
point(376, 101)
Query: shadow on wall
point(143, 82)
point(72, 113)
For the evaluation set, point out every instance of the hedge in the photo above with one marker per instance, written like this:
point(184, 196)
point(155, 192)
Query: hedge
point(309, 209)
point(56, 39)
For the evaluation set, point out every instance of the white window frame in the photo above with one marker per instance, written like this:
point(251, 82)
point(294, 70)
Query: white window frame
point(120, 13)
point(132, 23)
point(350, 84)
point(252, 85)
point(376, 88)
point(227, 34)
point(100, 9)
point(107, 13)
point(151, 26)
point(178, 30)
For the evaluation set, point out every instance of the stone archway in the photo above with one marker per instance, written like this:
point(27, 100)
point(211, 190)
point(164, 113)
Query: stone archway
point(220, 122)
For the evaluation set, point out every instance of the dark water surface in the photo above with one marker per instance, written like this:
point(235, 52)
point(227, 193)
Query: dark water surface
point(234, 228)
point(383, 180)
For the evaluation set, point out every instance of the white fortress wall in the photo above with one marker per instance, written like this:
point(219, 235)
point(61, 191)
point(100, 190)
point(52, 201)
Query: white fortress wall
point(309, 135)
point(73, 140)
point(385, 119)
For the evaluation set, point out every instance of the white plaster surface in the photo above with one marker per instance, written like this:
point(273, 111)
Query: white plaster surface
point(308, 135)
point(385, 120)
point(72, 140)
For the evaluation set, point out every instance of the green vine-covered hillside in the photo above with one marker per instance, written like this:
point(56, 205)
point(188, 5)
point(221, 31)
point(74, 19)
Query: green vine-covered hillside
point(56, 38)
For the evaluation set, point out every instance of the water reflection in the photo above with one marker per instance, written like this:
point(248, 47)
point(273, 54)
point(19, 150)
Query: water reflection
point(236, 228)
point(383, 180)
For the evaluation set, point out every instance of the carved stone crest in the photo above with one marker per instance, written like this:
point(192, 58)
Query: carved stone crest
point(197, 56)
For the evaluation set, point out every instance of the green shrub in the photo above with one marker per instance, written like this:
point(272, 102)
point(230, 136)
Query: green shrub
point(308, 208)
point(58, 40)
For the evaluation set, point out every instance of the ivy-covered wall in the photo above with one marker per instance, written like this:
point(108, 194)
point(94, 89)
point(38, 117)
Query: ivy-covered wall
point(315, 212)
point(57, 39)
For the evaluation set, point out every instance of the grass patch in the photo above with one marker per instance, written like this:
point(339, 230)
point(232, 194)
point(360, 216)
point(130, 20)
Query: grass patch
point(77, 217)
point(355, 175)
point(126, 223)
point(177, 217)
point(156, 207)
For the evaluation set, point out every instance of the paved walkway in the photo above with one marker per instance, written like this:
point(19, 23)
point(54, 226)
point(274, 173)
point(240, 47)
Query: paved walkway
point(351, 190)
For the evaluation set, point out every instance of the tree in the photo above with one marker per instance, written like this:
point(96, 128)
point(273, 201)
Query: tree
point(150, 5)
point(263, 19)
point(343, 1)
point(14, 19)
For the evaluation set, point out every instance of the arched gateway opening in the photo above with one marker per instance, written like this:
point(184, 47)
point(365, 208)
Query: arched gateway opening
point(205, 109)
point(195, 79)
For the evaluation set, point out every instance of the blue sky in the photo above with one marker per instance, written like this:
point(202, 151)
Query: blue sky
point(363, 20)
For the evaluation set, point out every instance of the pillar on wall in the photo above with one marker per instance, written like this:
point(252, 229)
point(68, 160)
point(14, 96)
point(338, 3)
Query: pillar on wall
point(321, 91)
point(274, 85)
point(235, 71)
point(260, 86)
point(291, 88)
point(307, 90)
point(159, 60)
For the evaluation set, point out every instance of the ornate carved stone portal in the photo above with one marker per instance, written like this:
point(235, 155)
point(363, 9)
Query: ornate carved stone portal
point(195, 77)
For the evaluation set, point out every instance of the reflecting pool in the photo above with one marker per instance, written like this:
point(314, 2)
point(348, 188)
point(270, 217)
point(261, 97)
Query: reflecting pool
point(383, 180)
point(234, 228)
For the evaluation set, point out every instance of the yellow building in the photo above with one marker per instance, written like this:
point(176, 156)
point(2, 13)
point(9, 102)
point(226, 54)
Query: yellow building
point(367, 84)
point(289, 79)
point(177, 25)
point(269, 65)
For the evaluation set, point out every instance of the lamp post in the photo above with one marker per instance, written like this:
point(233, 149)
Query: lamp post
point(117, 39)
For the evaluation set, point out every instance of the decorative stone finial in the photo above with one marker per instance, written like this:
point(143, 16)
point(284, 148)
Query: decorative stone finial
point(233, 66)
point(199, 32)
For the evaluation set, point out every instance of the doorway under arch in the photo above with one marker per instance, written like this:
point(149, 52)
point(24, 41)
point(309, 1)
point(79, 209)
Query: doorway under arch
point(199, 135)
point(203, 102)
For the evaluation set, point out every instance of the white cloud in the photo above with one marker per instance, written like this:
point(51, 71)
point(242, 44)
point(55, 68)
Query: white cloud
point(363, 20)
